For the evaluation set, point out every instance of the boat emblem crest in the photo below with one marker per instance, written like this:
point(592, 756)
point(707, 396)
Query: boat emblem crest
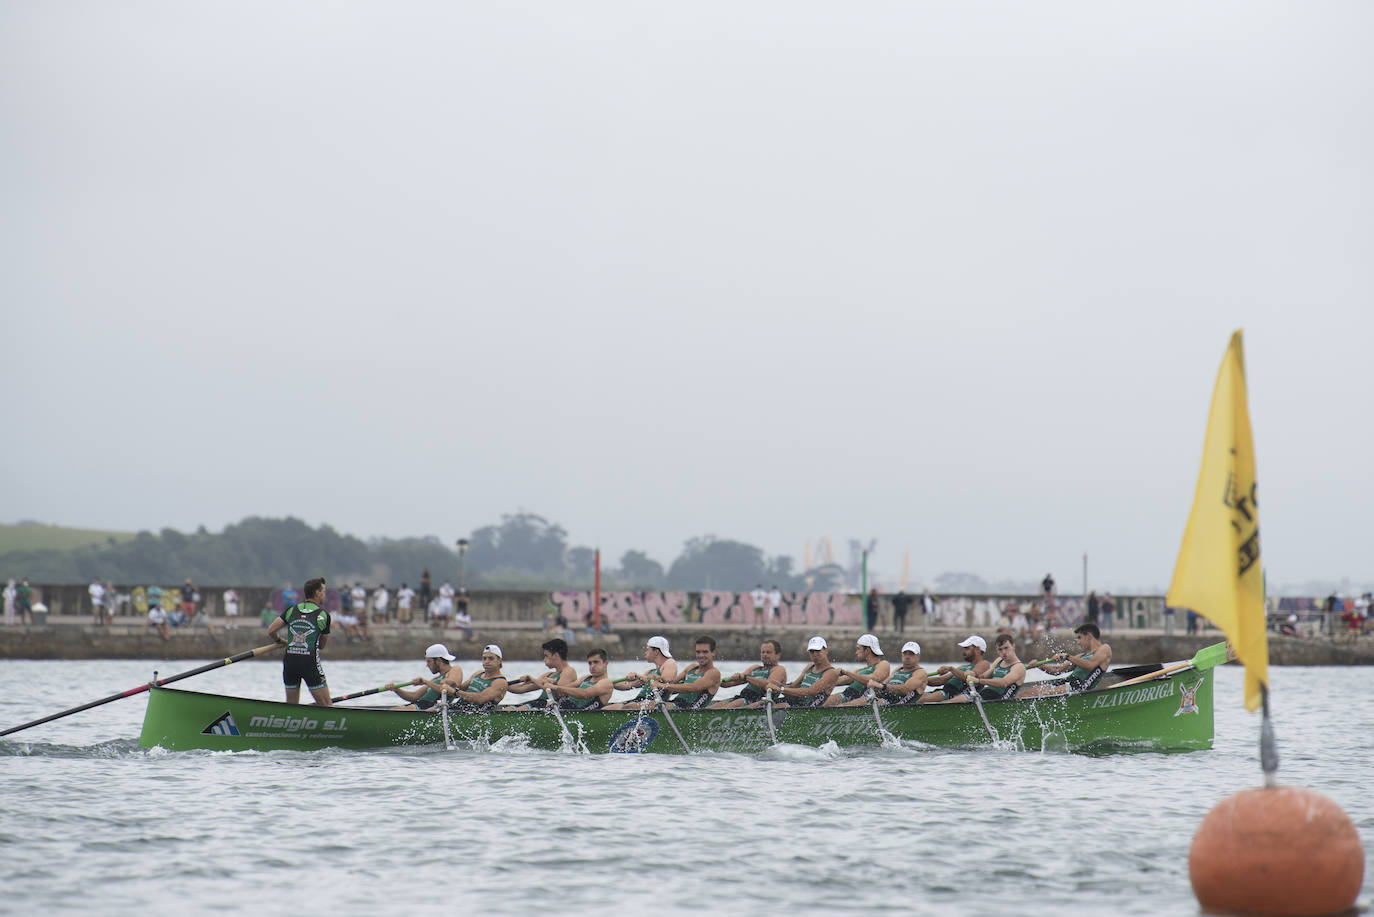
point(223, 726)
point(634, 736)
point(1188, 702)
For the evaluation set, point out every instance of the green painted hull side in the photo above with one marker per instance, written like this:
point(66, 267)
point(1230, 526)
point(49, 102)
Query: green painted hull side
point(1151, 716)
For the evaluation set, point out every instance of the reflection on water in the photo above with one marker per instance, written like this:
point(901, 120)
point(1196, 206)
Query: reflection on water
point(500, 826)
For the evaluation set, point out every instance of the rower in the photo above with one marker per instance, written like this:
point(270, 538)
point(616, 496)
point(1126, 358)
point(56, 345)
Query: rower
point(1006, 677)
point(768, 675)
point(483, 691)
point(591, 693)
point(664, 666)
point(445, 678)
point(699, 681)
point(1085, 668)
point(813, 685)
point(948, 679)
point(907, 683)
point(875, 670)
point(556, 658)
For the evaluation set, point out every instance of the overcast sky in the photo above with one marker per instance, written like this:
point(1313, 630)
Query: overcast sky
point(957, 277)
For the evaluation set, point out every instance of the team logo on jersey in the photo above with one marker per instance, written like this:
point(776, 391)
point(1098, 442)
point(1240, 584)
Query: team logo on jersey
point(224, 726)
point(634, 736)
point(1188, 702)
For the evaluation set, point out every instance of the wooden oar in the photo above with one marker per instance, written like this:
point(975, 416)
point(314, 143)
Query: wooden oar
point(663, 708)
point(385, 687)
point(156, 683)
point(1206, 658)
point(768, 713)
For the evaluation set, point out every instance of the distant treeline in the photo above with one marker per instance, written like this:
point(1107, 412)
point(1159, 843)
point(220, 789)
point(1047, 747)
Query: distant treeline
point(522, 551)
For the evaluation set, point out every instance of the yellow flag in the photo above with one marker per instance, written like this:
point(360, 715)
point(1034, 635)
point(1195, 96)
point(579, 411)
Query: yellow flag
point(1218, 573)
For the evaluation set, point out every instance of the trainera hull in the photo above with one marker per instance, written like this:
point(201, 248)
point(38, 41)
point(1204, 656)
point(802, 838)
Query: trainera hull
point(1167, 714)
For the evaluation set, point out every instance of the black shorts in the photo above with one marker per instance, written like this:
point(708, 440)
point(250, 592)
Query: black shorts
point(899, 700)
point(854, 691)
point(1079, 685)
point(699, 702)
point(750, 695)
point(996, 694)
point(298, 666)
point(950, 693)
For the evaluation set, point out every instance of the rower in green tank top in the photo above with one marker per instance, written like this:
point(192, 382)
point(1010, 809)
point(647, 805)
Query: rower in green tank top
point(482, 692)
point(950, 680)
point(874, 672)
point(1085, 668)
point(757, 680)
point(906, 684)
point(1005, 678)
point(592, 692)
point(556, 659)
point(699, 681)
point(662, 667)
point(814, 684)
point(444, 675)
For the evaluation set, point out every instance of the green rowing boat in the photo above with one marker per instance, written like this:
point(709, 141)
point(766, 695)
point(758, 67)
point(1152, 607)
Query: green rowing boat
point(1172, 713)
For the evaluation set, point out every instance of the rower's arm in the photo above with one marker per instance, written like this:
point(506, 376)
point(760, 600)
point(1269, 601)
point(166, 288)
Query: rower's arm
point(521, 687)
point(917, 682)
point(408, 694)
point(825, 684)
point(1013, 677)
point(594, 690)
point(492, 693)
point(939, 678)
point(275, 626)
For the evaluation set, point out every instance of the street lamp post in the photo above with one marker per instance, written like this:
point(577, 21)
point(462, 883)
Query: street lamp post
point(462, 554)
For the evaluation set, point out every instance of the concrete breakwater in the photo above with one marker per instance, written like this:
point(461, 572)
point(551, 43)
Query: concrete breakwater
point(72, 638)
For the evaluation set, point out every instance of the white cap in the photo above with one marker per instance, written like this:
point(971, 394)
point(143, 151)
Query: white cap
point(1292, 618)
point(439, 651)
point(913, 646)
point(977, 641)
point(870, 641)
point(660, 644)
point(817, 643)
point(493, 649)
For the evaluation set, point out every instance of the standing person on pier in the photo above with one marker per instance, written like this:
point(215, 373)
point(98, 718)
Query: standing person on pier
point(307, 623)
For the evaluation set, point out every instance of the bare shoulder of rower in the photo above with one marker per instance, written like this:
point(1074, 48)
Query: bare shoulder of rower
point(668, 671)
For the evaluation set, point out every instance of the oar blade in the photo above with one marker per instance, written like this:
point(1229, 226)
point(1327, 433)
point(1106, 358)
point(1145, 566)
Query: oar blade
point(1210, 657)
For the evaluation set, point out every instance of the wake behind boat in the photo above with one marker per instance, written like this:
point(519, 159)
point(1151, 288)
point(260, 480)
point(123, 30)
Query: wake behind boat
point(1168, 713)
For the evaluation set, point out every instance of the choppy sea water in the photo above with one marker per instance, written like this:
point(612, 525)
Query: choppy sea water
point(91, 823)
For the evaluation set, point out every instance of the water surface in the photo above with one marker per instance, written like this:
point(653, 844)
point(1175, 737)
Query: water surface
point(90, 823)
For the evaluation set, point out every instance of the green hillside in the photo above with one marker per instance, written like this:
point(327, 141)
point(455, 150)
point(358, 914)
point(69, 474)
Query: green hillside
point(34, 536)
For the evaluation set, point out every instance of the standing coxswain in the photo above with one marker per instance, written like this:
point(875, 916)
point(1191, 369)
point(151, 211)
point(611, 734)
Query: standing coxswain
point(307, 624)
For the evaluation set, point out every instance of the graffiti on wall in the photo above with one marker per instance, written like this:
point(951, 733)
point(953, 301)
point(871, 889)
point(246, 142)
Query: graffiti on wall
point(709, 607)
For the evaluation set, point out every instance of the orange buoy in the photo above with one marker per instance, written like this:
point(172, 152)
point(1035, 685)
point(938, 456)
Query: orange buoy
point(1279, 850)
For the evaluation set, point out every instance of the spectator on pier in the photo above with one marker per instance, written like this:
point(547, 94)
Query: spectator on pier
point(9, 594)
point(1094, 608)
point(381, 600)
point(426, 590)
point(231, 608)
point(405, 597)
point(358, 595)
point(901, 603)
point(1108, 611)
point(159, 619)
point(1289, 628)
point(97, 593)
point(444, 608)
point(23, 601)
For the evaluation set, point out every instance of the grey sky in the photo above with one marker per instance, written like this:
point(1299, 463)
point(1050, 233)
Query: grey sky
point(957, 277)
